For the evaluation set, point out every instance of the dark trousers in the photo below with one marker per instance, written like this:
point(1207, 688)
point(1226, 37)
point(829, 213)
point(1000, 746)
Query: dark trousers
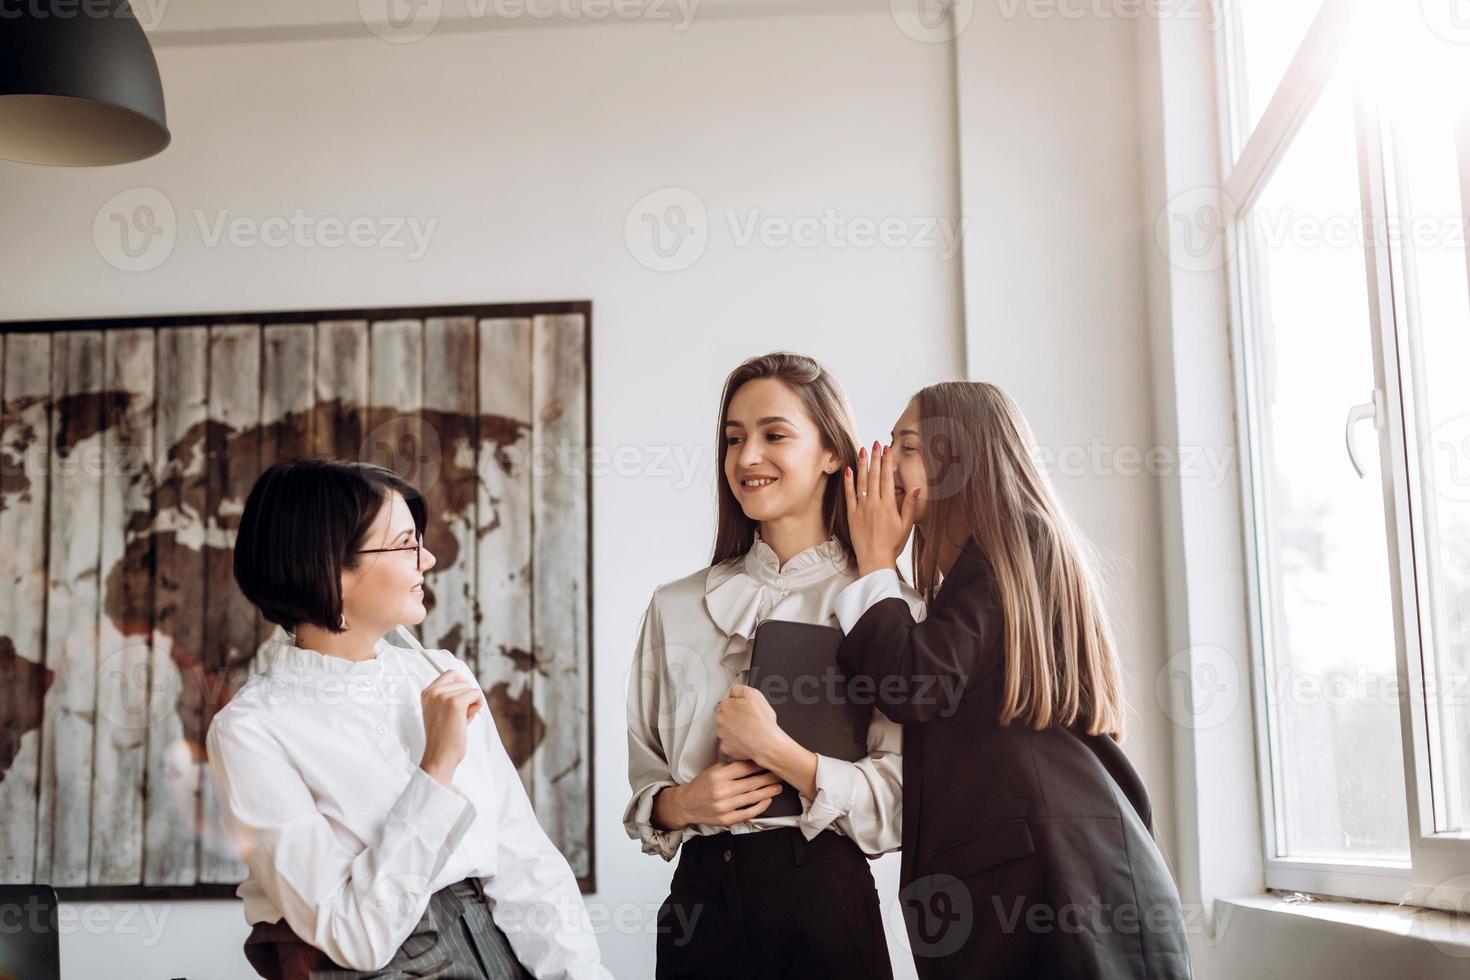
point(455, 939)
point(772, 904)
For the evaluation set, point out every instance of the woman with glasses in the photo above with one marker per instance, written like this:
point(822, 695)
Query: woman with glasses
point(365, 785)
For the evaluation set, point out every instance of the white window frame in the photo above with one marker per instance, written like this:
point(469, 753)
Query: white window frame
point(1438, 872)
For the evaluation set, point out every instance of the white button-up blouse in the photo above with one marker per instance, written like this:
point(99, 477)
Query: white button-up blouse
point(315, 767)
point(694, 644)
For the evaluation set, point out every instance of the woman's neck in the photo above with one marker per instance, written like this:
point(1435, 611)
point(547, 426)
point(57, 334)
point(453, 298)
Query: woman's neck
point(352, 644)
point(952, 543)
point(790, 536)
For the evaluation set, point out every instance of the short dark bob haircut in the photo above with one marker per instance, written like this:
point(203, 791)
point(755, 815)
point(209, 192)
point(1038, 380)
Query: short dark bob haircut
point(303, 523)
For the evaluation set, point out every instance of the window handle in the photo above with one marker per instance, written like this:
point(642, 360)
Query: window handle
point(1359, 413)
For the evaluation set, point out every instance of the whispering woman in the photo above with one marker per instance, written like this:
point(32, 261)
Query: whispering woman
point(758, 896)
point(364, 785)
point(1028, 845)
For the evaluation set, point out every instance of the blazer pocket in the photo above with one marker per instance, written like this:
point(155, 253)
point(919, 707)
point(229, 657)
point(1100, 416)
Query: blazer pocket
point(1008, 842)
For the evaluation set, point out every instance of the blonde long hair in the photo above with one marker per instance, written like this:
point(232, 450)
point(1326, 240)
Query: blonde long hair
point(1061, 664)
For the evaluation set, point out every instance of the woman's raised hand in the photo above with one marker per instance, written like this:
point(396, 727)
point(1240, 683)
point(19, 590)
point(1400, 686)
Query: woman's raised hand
point(449, 702)
point(878, 522)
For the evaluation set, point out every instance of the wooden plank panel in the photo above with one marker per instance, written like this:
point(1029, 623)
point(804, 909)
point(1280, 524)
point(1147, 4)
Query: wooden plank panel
point(560, 592)
point(396, 435)
point(119, 754)
point(287, 403)
point(177, 686)
point(64, 819)
point(503, 535)
point(341, 388)
point(232, 441)
point(25, 437)
point(288, 393)
point(460, 408)
point(450, 406)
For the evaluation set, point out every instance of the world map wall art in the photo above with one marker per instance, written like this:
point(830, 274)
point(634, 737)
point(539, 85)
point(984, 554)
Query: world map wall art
point(127, 448)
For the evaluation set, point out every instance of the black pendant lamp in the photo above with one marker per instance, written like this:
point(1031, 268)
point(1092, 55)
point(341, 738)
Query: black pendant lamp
point(78, 84)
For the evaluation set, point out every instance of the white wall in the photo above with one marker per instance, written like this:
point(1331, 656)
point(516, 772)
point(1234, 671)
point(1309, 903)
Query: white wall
point(530, 147)
point(1056, 303)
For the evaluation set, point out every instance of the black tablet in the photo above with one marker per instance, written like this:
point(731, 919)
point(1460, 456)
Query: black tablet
point(795, 666)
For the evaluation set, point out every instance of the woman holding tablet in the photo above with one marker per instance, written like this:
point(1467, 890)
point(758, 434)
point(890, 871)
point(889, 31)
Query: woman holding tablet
point(1028, 847)
point(365, 785)
point(756, 896)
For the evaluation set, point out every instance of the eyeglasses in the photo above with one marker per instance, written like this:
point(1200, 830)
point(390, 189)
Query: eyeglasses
point(417, 548)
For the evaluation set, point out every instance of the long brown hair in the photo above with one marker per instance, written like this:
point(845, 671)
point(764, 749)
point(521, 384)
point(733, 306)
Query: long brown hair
point(826, 405)
point(1061, 664)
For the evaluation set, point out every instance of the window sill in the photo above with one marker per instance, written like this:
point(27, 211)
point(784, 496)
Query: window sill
point(1443, 932)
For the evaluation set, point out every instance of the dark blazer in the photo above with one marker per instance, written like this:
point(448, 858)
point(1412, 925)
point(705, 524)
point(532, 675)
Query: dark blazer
point(1025, 853)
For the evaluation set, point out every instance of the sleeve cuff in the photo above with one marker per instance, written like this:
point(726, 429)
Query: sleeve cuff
point(438, 814)
point(639, 824)
point(864, 594)
point(837, 785)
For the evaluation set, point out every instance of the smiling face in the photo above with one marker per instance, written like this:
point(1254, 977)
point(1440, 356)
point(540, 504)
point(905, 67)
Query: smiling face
point(775, 463)
point(909, 470)
point(386, 588)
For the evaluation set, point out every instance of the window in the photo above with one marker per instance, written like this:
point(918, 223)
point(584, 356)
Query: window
point(1267, 35)
point(1348, 171)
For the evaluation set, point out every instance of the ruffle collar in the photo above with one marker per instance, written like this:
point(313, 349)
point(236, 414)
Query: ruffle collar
point(279, 656)
point(734, 590)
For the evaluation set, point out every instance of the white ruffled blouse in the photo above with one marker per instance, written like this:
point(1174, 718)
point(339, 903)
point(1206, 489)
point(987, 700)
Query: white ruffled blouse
point(694, 644)
point(315, 763)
